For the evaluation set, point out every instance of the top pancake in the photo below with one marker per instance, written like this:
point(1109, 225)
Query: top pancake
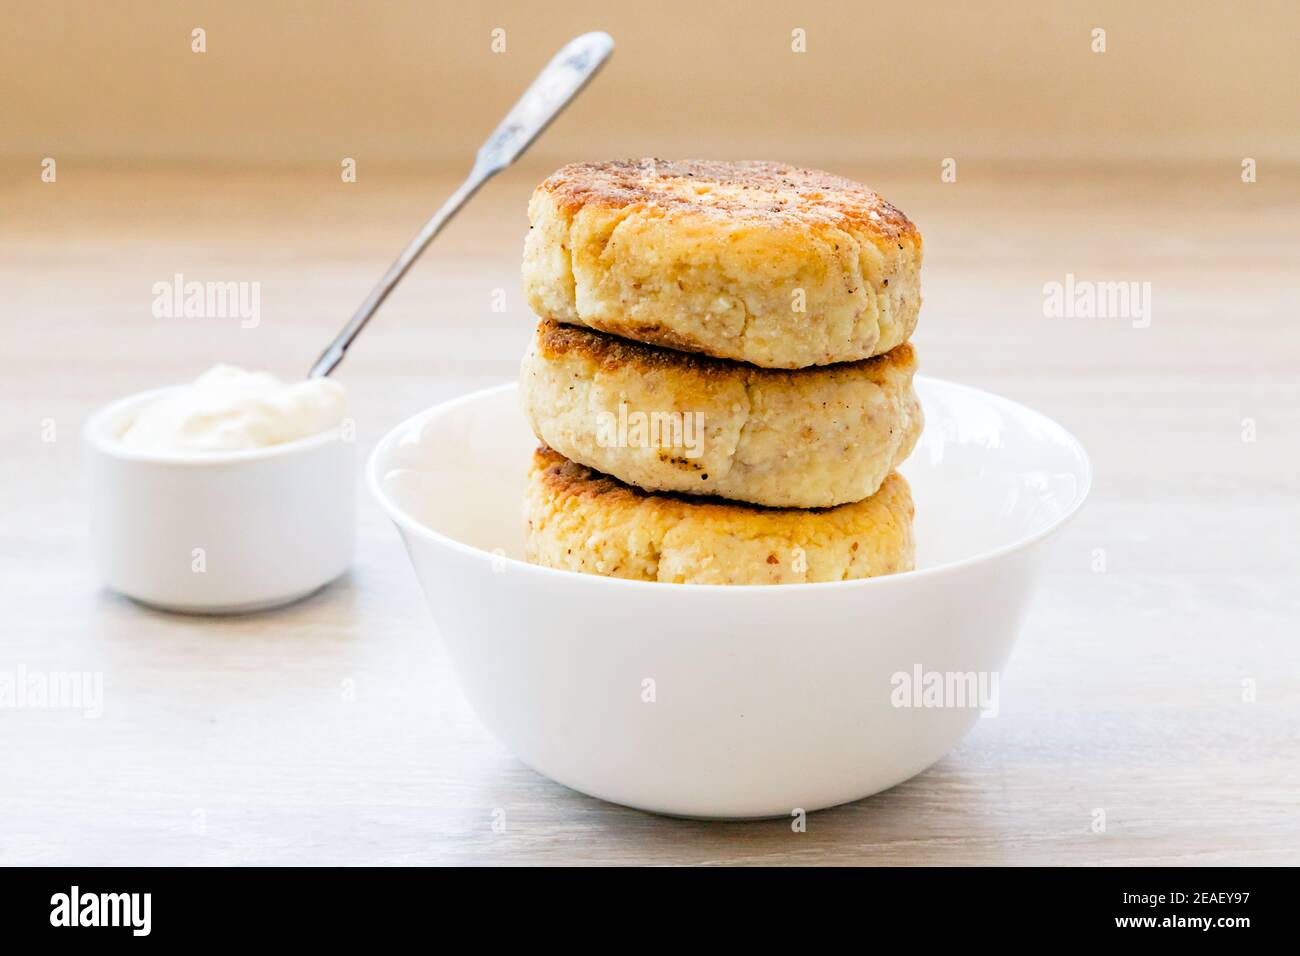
point(760, 262)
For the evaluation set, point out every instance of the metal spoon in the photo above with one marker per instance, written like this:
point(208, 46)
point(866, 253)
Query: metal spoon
point(564, 77)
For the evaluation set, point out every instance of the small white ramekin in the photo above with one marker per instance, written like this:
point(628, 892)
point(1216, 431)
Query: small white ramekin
point(219, 533)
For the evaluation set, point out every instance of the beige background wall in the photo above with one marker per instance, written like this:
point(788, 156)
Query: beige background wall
point(414, 81)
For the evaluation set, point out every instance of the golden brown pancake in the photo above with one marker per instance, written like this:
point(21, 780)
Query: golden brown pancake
point(581, 520)
point(760, 262)
point(670, 421)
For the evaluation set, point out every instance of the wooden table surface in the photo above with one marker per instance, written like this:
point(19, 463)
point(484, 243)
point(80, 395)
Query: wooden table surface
point(1157, 678)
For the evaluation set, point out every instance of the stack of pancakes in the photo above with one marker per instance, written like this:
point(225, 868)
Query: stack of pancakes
point(721, 377)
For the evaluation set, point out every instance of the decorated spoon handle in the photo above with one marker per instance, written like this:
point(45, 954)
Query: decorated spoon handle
point(555, 87)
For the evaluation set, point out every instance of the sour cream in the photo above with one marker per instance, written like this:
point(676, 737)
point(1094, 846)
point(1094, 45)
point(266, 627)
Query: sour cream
point(230, 409)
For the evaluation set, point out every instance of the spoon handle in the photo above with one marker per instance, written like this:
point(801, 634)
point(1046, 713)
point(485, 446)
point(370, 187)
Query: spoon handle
point(562, 79)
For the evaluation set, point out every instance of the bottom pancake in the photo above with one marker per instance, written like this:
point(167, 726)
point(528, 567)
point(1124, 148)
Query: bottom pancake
point(582, 520)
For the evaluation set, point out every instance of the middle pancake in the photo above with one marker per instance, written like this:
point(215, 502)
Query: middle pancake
point(670, 421)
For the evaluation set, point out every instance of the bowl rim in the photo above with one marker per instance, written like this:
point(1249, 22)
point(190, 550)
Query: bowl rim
point(405, 522)
point(96, 435)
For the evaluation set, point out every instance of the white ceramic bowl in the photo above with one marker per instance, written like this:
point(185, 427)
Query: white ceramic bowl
point(714, 701)
point(219, 533)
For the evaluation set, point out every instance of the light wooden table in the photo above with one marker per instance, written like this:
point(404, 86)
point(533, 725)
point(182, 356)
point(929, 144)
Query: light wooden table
point(334, 732)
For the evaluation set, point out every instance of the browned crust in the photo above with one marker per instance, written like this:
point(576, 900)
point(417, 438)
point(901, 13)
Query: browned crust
point(611, 353)
point(561, 476)
point(771, 193)
point(565, 478)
